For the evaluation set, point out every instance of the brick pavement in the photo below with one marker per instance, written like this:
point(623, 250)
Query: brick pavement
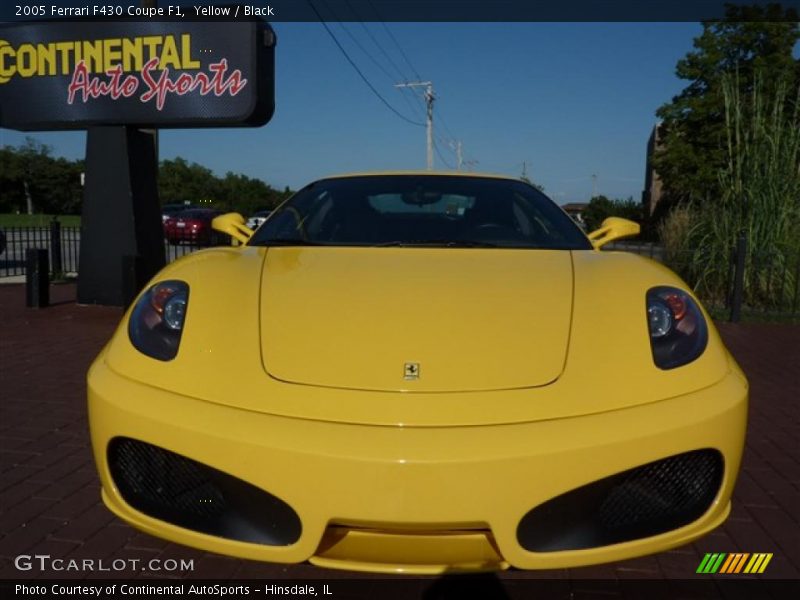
point(49, 498)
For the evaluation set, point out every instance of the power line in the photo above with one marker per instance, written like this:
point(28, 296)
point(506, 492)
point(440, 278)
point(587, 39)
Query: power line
point(364, 50)
point(420, 99)
point(444, 125)
point(450, 140)
point(440, 114)
point(408, 62)
point(428, 96)
point(355, 40)
point(357, 43)
point(374, 40)
point(353, 64)
point(441, 158)
point(449, 144)
point(416, 107)
point(421, 105)
point(383, 51)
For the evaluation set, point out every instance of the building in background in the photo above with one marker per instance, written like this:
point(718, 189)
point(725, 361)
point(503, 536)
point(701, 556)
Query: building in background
point(652, 182)
point(575, 210)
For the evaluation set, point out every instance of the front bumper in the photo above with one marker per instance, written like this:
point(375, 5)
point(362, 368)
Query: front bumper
point(416, 499)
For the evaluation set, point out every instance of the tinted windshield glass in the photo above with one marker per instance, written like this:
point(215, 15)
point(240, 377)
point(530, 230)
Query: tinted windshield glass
point(421, 210)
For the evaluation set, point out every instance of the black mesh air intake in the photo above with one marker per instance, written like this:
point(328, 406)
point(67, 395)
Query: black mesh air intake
point(186, 493)
point(645, 501)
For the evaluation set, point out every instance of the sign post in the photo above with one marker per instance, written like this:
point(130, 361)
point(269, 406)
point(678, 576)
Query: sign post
point(121, 214)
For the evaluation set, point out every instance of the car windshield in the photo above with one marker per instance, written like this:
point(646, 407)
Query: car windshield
point(421, 210)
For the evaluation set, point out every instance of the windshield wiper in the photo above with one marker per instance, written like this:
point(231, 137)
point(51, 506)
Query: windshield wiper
point(438, 244)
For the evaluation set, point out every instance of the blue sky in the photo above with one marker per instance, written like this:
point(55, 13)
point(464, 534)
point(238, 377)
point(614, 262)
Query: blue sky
point(570, 99)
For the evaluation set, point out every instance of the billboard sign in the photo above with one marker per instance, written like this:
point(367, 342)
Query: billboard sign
point(72, 74)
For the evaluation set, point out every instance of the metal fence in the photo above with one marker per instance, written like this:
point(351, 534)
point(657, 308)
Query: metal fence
point(63, 247)
point(649, 249)
point(61, 243)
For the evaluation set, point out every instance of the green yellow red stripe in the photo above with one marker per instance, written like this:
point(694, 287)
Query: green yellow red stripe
point(734, 563)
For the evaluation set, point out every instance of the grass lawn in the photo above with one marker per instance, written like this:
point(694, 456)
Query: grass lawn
point(11, 220)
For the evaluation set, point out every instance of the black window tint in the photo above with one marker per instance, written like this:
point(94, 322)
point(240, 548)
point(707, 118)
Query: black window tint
point(422, 210)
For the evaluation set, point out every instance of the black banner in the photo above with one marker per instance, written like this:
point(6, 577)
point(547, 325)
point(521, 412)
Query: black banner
point(394, 10)
point(155, 73)
point(346, 587)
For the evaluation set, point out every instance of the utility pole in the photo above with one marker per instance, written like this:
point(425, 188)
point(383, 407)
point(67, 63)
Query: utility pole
point(429, 98)
point(594, 185)
point(525, 170)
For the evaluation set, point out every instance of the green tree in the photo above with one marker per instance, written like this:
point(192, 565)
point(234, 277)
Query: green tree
point(59, 187)
point(181, 181)
point(244, 194)
point(750, 40)
point(12, 192)
point(30, 176)
point(602, 207)
point(33, 181)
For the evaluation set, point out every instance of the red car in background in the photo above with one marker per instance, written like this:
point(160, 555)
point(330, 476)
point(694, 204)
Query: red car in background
point(193, 226)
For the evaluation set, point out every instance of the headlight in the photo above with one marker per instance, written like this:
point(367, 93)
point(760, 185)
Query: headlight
point(157, 319)
point(678, 331)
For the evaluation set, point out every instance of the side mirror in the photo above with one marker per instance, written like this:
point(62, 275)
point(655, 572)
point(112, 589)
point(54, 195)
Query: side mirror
point(613, 228)
point(233, 225)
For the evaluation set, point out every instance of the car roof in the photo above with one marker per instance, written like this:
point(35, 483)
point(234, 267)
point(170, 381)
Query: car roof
point(418, 173)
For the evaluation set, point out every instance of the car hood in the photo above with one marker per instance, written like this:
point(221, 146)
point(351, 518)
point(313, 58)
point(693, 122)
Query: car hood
point(221, 359)
point(415, 319)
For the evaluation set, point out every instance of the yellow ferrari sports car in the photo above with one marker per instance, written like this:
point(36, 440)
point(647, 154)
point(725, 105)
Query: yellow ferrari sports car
point(418, 373)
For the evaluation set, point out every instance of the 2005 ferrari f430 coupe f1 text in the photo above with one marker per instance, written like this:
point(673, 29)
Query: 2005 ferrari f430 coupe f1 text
point(417, 372)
